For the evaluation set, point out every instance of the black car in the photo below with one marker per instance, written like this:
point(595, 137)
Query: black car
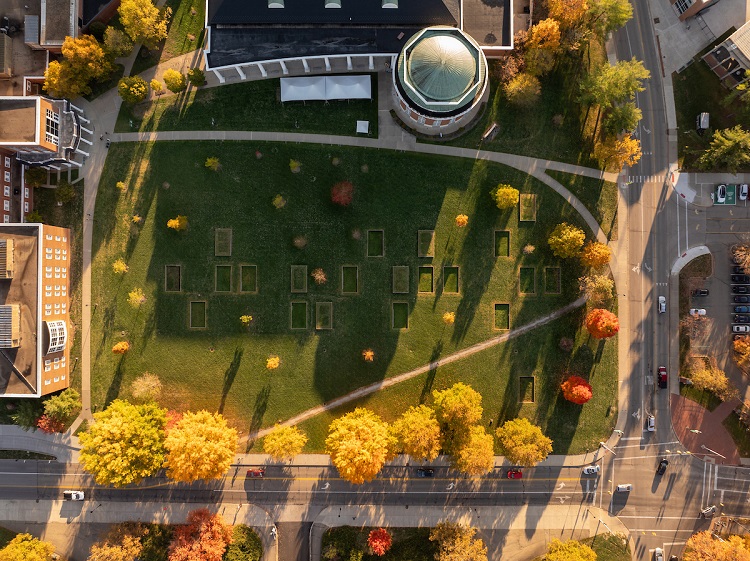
point(741, 318)
point(425, 472)
point(742, 309)
point(741, 299)
point(662, 466)
point(743, 279)
point(738, 270)
point(699, 292)
point(740, 290)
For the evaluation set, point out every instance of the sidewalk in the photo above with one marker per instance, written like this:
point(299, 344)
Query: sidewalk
point(64, 447)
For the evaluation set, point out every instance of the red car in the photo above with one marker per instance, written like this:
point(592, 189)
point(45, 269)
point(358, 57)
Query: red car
point(514, 474)
point(256, 472)
point(662, 376)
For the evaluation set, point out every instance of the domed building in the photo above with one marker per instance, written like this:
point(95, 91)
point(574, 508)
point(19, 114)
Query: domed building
point(440, 80)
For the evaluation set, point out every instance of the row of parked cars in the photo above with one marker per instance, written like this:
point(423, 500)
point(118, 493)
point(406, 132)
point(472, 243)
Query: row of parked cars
point(740, 299)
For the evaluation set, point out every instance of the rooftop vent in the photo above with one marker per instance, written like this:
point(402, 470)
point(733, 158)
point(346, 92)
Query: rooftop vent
point(333, 3)
point(390, 3)
point(275, 3)
point(7, 263)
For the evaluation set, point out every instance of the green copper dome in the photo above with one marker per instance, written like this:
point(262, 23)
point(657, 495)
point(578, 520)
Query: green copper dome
point(441, 67)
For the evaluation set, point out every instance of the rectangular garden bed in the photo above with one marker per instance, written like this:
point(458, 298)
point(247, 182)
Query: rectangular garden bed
point(299, 278)
point(527, 207)
point(502, 243)
point(526, 389)
point(375, 243)
point(426, 279)
point(298, 315)
point(450, 279)
point(400, 315)
point(526, 280)
point(172, 278)
point(223, 278)
point(324, 315)
point(197, 313)
point(349, 279)
point(223, 242)
point(502, 316)
point(426, 243)
point(400, 279)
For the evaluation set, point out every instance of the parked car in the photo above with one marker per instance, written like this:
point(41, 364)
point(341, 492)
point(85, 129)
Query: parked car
point(700, 292)
point(624, 488)
point(740, 328)
point(741, 279)
point(658, 554)
point(256, 472)
point(740, 290)
point(741, 299)
point(737, 270)
point(73, 495)
point(662, 375)
point(514, 473)
point(738, 337)
point(708, 511)
point(662, 304)
point(741, 309)
point(590, 470)
point(662, 466)
point(743, 192)
point(651, 423)
point(721, 193)
point(697, 311)
point(425, 472)
point(738, 318)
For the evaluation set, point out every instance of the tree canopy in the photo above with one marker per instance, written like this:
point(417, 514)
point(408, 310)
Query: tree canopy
point(729, 149)
point(25, 547)
point(83, 60)
point(476, 455)
point(204, 538)
point(601, 323)
point(457, 543)
point(505, 196)
point(702, 546)
point(359, 444)
point(599, 288)
point(126, 548)
point(63, 407)
point(200, 446)
point(522, 443)
point(566, 240)
point(143, 21)
point(459, 406)
point(611, 84)
point(284, 443)
point(595, 255)
point(570, 550)
point(418, 433)
point(125, 443)
point(576, 390)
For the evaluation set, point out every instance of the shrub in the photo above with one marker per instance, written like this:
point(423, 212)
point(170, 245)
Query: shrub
point(196, 76)
point(121, 348)
point(246, 545)
point(368, 355)
point(295, 166)
point(121, 186)
point(180, 223)
point(136, 297)
point(319, 276)
point(246, 320)
point(566, 240)
point(156, 86)
point(528, 249)
point(300, 242)
point(380, 541)
point(462, 221)
point(137, 219)
point(342, 193)
point(273, 362)
point(120, 267)
point(174, 80)
point(566, 344)
point(576, 390)
point(36, 177)
point(116, 42)
point(213, 164)
point(146, 387)
point(505, 196)
point(45, 423)
point(34, 216)
point(449, 318)
point(279, 202)
point(132, 89)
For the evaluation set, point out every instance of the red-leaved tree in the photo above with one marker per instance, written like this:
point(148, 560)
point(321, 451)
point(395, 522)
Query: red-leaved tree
point(577, 390)
point(50, 424)
point(602, 323)
point(204, 538)
point(380, 541)
point(342, 193)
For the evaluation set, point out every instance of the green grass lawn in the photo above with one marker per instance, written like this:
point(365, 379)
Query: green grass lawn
point(531, 131)
point(496, 373)
point(608, 547)
point(6, 536)
point(250, 106)
point(223, 367)
point(739, 434)
point(704, 398)
point(185, 34)
point(409, 544)
point(696, 90)
point(597, 195)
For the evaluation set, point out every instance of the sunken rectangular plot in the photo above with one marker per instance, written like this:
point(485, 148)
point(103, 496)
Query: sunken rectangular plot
point(400, 279)
point(172, 278)
point(526, 280)
point(400, 315)
point(349, 279)
point(526, 389)
point(450, 279)
point(248, 278)
point(197, 313)
point(223, 278)
point(552, 280)
point(527, 207)
point(426, 279)
point(375, 243)
point(502, 316)
point(502, 243)
point(324, 315)
point(426, 243)
point(298, 315)
point(223, 242)
point(299, 278)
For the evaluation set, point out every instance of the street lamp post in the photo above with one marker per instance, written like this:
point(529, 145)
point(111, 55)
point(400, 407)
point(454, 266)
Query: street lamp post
point(712, 451)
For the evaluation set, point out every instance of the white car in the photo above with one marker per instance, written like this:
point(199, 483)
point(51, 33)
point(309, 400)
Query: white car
point(721, 193)
point(697, 312)
point(743, 192)
point(73, 495)
point(624, 488)
point(658, 554)
point(741, 329)
point(590, 470)
point(651, 423)
point(662, 304)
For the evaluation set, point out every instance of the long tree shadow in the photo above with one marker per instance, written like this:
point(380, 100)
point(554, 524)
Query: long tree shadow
point(259, 410)
point(113, 391)
point(229, 375)
point(437, 350)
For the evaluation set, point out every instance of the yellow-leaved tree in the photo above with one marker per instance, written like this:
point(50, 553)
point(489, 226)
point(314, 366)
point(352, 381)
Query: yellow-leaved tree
point(125, 443)
point(703, 547)
point(200, 446)
point(359, 444)
point(476, 456)
point(25, 547)
point(566, 240)
point(457, 543)
point(284, 443)
point(143, 21)
point(595, 255)
point(523, 444)
point(570, 550)
point(418, 433)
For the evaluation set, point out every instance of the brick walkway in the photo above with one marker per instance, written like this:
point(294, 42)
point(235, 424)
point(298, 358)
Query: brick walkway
point(688, 416)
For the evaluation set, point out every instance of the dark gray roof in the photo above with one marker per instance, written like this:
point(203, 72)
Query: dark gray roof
point(414, 13)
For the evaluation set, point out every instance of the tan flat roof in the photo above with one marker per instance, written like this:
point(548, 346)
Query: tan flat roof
point(18, 117)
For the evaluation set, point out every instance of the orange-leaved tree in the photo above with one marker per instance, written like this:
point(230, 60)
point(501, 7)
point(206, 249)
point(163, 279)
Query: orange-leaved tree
point(204, 538)
point(576, 390)
point(595, 254)
point(602, 323)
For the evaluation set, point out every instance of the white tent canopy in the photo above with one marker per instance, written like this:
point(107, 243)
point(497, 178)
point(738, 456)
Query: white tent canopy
point(326, 87)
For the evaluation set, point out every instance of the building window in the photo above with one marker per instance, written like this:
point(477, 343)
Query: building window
point(6, 190)
point(7, 162)
point(682, 5)
point(26, 207)
point(52, 131)
point(65, 239)
point(7, 176)
point(48, 237)
point(57, 336)
point(47, 382)
point(57, 379)
point(6, 218)
point(26, 193)
point(57, 238)
point(6, 205)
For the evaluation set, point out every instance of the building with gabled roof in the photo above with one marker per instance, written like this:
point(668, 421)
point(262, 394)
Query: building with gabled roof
point(730, 60)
